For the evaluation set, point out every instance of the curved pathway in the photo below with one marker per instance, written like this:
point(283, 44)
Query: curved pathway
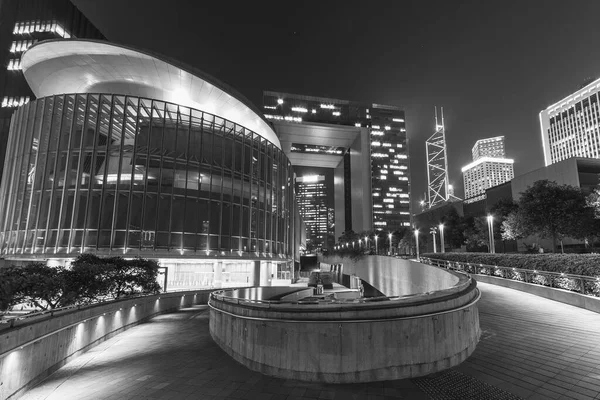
point(531, 348)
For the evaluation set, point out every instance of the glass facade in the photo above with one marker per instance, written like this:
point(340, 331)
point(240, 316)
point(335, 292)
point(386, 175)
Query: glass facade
point(115, 174)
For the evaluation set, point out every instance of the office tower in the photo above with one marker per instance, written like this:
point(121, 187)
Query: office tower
point(96, 164)
point(311, 195)
point(489, 168)
point(491, 147)
point(437, 164)
point(570, 126)
point(365, 143)
point(22, 24)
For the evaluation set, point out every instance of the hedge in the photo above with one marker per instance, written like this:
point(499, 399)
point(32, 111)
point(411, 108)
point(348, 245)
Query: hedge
point(578, 264)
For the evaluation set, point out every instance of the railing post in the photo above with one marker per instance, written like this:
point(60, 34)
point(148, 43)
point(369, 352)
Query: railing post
point(582, 285)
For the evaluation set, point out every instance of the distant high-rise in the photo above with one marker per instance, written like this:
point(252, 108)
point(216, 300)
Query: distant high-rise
point(23, 23)
point(491, 147)
point(437, 164)
point(311, 194)
point(365, 142)
point(570, 126)
point(489, 168)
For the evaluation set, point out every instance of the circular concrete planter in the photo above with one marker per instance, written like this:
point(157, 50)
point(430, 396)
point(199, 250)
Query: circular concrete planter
point(404, 337)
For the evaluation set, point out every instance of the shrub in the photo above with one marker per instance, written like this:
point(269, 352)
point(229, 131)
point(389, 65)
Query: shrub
point(577, 264)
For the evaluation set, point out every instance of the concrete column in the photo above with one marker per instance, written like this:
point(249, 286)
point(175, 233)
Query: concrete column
point(218, 268)
point(265, 273)
point(256, 275)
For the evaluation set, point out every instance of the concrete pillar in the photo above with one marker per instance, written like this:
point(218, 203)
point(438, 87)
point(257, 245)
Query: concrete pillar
point(218, 268)
point(265, 274)
point(256, 274)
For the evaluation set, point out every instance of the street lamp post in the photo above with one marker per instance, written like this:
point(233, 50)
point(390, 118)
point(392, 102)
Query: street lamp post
point(490, 220)
point(442, 244)
point(417, 240)
point(390, 252)
point(433, 232)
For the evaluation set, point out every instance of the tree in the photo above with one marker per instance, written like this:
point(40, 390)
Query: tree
point(513, 227)
point(476, 233)
point(454, 227)
point(12, 281)
point(92, 278)
point(43, 286)
point(553, 211)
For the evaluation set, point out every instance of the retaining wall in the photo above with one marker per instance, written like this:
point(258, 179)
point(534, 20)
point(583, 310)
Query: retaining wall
point(34, 348)
point(396, 276)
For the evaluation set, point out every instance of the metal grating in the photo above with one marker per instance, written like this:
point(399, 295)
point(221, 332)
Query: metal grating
point(453, 385)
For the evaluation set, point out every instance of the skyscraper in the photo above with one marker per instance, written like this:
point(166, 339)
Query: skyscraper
point(23, 23)
point(489, 168)
point(384, 149)
point(570, 126)
point(491, 147)
point(437, 164)
point(312, 204)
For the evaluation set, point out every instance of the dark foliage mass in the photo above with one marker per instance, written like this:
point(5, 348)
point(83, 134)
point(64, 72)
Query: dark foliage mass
point(89, 279)
point(578, 264)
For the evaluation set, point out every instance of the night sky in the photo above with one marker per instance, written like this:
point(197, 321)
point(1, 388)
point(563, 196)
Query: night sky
point(492, 65)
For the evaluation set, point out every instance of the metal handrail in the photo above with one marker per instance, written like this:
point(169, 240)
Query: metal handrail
point(528, 274)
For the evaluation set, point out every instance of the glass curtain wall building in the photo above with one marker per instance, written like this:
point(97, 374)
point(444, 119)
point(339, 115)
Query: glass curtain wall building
point(121, 174)
point(22, 24)
point(312, 203)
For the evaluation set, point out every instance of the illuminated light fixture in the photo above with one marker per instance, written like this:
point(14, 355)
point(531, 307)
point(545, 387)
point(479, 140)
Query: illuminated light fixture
point(279, 101)
point(111, 178)
point(387, 128)
point(488, 159)
point(336, 113)
point(377, 133)
point(328, 106)
point(309, 178)
point(299, 109)
point(314, 111)
point(397, 119)
point(271, 107)
point(357, 125)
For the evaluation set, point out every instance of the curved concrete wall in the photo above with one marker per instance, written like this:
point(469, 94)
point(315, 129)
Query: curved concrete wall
point(353, 342)
point(34, 348)
point(395, 276)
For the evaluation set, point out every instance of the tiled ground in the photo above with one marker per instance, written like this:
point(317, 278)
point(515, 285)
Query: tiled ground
point(531, 347)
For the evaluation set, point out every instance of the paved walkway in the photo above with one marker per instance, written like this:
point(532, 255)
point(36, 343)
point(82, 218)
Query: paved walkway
point(531, 348)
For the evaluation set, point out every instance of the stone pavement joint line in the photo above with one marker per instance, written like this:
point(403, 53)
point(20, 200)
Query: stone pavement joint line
point(531, 348)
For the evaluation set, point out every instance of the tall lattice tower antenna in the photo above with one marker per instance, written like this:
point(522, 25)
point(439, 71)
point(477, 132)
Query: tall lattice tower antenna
point(437, 164)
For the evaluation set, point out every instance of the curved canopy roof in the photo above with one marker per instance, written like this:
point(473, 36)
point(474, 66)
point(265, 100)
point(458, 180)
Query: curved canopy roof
point(87, 66)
